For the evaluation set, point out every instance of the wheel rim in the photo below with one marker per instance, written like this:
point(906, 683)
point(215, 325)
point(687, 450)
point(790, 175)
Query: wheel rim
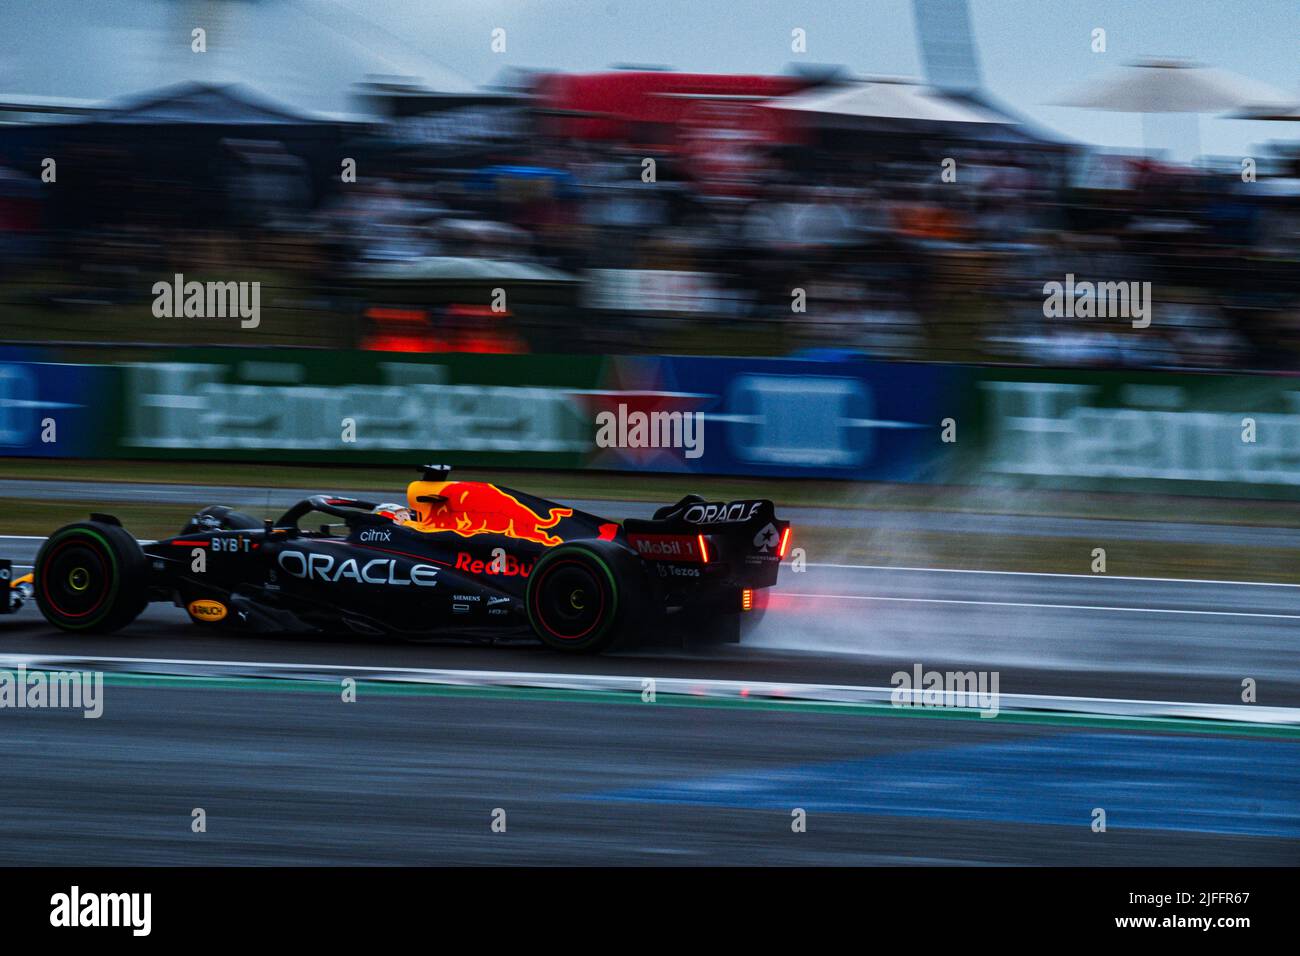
point(569, 600)
point(76, 579)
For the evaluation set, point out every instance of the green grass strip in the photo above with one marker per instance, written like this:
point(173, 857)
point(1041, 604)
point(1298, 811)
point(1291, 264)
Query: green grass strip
point(562, 695)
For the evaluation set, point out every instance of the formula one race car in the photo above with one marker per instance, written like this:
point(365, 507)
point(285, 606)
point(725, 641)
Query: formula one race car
point(460, 557)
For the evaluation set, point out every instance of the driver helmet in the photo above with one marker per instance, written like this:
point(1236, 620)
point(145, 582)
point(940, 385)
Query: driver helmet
point(394, 512)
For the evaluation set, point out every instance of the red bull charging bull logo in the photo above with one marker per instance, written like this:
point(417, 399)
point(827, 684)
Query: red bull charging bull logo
point(472, 508)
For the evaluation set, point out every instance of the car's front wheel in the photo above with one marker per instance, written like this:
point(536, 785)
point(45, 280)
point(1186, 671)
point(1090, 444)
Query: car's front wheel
point(91, 576)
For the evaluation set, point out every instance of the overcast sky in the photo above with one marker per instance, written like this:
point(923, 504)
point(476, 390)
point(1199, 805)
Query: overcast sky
point(1031, 51)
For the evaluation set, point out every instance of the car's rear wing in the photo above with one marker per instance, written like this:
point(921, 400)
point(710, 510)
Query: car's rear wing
point(745, 536)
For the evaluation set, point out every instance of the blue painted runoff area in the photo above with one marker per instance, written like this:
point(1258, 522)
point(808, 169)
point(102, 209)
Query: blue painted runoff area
point(1215, 784)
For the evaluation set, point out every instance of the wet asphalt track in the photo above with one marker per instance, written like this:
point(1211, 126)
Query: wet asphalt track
point(1044, 634)
point(302, 778)
point(299, 777)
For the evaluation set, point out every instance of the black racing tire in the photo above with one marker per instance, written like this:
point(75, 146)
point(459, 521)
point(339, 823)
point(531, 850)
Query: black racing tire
point(580, 596)
point(91, 577)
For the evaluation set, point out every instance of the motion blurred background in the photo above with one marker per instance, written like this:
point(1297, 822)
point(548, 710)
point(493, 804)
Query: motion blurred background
point(1089, 508)
point(829, 231)
point(492, 160)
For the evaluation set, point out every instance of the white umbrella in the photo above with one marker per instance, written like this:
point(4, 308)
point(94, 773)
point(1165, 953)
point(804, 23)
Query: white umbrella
point(1166, 86)
point(1171, 86)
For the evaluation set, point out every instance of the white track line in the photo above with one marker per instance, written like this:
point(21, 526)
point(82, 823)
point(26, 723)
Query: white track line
point(1055, 574)
point(1063, 607)
point(696, 687)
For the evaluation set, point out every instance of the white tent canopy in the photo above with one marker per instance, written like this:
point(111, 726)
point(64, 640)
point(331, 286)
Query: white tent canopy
point(1161, 86)
point(297, 54)
point(892, 100)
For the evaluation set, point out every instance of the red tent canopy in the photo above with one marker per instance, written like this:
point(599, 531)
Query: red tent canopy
point(651, 107)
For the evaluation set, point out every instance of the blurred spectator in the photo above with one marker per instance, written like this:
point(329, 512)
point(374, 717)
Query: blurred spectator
point(892, 261)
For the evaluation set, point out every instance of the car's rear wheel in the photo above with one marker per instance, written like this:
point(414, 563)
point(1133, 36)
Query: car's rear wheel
point(91, 576)
point(577, 598)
